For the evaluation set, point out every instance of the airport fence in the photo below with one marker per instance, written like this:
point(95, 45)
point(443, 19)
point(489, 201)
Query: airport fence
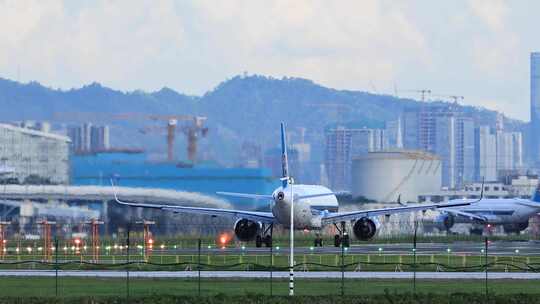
point(210, 271)
point(136, 264)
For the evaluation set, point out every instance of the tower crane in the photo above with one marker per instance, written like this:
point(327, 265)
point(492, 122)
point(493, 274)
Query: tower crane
point(423, 92)
point(192, 130)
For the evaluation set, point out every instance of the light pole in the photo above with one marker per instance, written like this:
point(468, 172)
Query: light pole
point(291, 261)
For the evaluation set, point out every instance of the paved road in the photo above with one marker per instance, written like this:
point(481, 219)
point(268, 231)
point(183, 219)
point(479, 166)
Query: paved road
point(502, 248)
point(277, 275)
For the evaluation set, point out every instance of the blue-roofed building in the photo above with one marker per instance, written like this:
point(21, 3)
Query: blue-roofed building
point(133, 170)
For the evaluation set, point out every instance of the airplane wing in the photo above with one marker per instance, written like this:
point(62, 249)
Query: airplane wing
point(264, 217)
point(466, 214)
point(353, 215)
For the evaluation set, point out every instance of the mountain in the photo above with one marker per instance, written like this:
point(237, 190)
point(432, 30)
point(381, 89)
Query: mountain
point(262, 101)
point(33, 101)
point(243, 108)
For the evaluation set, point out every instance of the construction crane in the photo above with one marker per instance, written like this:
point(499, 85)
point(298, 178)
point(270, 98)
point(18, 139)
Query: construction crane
point(192, 131)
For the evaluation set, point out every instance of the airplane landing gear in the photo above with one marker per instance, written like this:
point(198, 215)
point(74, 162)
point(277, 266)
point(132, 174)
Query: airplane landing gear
point(341, 239)
point(346, 242)
point(318, 242)
point(267, 241)
point(265, 238)
point(337, 240)
point(476, 231)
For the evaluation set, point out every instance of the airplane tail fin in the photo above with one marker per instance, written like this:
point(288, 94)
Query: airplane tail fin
point(399, 201)
point(481, 191)
point(284, 160)
point(536, 195)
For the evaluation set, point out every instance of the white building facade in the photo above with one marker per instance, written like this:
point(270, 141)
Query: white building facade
point(34, 155)
point(485, 154)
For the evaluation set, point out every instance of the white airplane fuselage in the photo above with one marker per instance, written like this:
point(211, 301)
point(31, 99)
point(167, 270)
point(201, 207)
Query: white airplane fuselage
point(307, 211)
point(498, 211)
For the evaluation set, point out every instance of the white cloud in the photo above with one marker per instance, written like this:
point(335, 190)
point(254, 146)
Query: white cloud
point(342, 44)
point(193, 45)
point(497, 50)
point(492, 12)
point(117, 42)
point(110, 41)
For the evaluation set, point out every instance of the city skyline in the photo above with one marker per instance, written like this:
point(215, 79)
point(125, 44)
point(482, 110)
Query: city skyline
point(377, 46)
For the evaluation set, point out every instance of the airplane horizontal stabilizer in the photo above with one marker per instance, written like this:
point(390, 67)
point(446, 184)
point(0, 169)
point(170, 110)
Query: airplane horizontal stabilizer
point(315, 195)
point(246, 195)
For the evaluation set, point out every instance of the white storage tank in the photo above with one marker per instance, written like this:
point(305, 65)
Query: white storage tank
point(382, 176)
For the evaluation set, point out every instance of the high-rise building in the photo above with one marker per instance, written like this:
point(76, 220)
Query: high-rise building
point(485, 155)
point(504, 151)
point(394, 134)
point(74, 134)
point(411, 126)
point(447, 132)
point(517, 143)
point(465, 160)
point(380, 140)
point(89, 139)
point(342, 145)
point(86, 137)
point(534, 132)
point(497, 153)
point(99, 138)
point(509, 151)
point(445, 147)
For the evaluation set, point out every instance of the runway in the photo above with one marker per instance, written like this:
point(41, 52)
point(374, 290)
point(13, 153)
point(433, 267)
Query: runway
point(275, 275)
point(501, 248)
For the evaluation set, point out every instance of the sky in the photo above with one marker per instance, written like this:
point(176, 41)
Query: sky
point(478, 49)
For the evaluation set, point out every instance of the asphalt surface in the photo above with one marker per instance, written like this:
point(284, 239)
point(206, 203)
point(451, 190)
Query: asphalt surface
point(276, 275)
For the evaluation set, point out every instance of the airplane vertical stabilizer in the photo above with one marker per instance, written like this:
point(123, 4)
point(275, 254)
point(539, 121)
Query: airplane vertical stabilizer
point(284, 160)
point(536, 195)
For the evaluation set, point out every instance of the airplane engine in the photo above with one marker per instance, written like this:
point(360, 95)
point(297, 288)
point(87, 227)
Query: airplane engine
point(246, 230)
point(444, 221)
point(515, 228)
point(365, 228)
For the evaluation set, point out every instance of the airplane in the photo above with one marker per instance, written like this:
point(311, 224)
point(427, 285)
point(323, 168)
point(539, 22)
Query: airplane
point(512, 213)
point(315, 206)
point(4, 170)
